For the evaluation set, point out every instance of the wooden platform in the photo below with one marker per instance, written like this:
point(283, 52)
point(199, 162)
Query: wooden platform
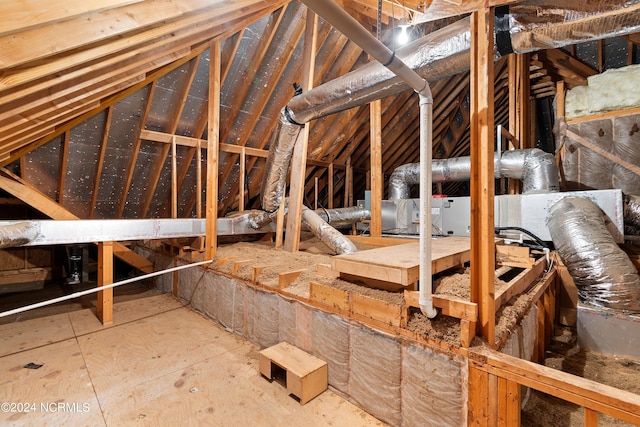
point(400, 264)
point(162, 364)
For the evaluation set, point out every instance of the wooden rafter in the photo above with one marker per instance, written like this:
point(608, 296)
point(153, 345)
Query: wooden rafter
point(100, 164)
point(75, 68)
point(136, 151)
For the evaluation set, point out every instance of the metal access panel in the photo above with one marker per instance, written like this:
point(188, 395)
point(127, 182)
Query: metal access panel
point(456, 215)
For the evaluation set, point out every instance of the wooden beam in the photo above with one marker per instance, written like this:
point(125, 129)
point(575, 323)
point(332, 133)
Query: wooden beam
point(377, 180)
point(199, 182)
point(80, 31)
point(104, 306)
point(298, 166)
point(187, 37)
point(213, 140)
point(63, 167)
point(580, 391)
point(243, 161)
point(482, 180)
point(37, 13)
point(174, 179)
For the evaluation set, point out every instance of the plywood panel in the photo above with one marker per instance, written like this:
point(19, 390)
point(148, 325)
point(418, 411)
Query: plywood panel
point(85, 321)
point(401, 264)
point(135, 354)
point(21, 336)
point(62, 378)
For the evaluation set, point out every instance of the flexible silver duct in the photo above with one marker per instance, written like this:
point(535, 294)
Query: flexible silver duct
point(603, 273)
point(331, 237)
point(335, 217)
point(536, 168)
point(631, 215)
point(527, 27)
point(343, 216)
point(545, 24)
point(17, 234)
point(280, 151)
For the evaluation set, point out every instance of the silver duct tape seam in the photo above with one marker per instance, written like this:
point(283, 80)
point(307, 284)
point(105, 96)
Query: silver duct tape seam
point(603, 273)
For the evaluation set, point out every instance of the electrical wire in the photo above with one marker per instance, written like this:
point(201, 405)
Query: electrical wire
point(538, 240)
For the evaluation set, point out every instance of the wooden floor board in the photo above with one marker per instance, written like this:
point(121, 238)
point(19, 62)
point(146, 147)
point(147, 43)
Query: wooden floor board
point(160, 365)
point(85, 321)
point(62, 378)
point(21, 336)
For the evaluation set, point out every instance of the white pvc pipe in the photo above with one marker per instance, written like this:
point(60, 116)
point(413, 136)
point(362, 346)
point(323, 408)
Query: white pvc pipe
point(346, 24)
point(426, 134)
point(101, 288)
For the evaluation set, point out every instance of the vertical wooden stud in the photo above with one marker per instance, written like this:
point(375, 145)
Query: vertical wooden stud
point(482, 180)
point(478, 398)
point(104, 306)
point(174, 178)
point(213, 143)
point(315, 192)
point(63, 166)
point(243, 154)
point(199, 180)
point(375, 114)
point(590, 418)
point(330, 185)
point(298, 163)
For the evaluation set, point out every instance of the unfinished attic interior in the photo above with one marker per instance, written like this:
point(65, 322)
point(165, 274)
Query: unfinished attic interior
point(280, 212)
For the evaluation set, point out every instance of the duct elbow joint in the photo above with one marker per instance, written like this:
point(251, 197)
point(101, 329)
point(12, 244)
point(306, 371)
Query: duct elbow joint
point(427, 308)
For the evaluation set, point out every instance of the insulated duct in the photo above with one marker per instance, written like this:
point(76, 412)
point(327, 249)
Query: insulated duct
point(343, 216)
point(17, 234)
point(603, 273)
point(631, 215)
point(281, 146)
point(536, 168)
point(525, 28)
point(328, 235)
point(336, 216)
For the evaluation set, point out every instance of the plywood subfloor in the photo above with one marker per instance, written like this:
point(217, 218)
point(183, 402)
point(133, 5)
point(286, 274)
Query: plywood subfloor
point(159, 364)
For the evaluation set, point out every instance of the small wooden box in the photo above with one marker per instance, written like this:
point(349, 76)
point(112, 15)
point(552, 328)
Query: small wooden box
point(307, 376)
